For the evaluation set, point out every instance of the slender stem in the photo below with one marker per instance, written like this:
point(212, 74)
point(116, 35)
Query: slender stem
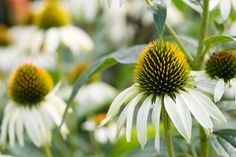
point(172, 32)
point(167, 130)
point(204, 143)
point(47, 151)
point(203, 30)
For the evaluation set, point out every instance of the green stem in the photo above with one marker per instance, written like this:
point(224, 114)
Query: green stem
point(167, 131)
point(203, 30)
point(47, 151)
point(172, 32)
point(204, 143)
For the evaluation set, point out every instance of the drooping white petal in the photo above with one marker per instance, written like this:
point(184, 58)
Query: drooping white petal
point(225, 8)
point(118, 102)
point(141, 122)
point(196, 109)
point(5, 123)
point(20, 130)
point(173, 110)
point(37, 42)
point(52, 40)
point(121, 121)
point(76, 39)
point(185, 116)
point(156, 112)
point(219, 90)
point(11, 129)
point(209, 106)
point(40, 125)
point(130, 110)
point(30, 127)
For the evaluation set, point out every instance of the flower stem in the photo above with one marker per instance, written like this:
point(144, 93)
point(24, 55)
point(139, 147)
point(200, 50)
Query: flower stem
point(204, 143)
point(47, 151)
point(203, 30)
point(172, 32)
point(167, 130)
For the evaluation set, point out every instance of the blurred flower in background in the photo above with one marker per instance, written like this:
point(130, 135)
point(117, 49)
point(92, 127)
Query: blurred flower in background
point(101, 134)
point(33, 107)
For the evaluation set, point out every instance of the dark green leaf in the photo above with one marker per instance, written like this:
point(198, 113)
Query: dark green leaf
point(224, 142)
point(127, 56)
point(159, 17)
point(214, 40)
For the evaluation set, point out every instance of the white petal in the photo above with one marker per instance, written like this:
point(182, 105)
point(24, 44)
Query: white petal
point(185, 116)
point(11, 130)
point(209, 106)
point(30, 127)
point(198, 112)
point(156, 112)
point(141, 122)
point(52, 40)
point(5, 122)
point(121, 120)
point(225, 8)
point(37, 42)
point(219, 90)
point(20, 130)
point(41, 126)
point(173, 109)
point(118, 102)
point(76, 39)
point(130, 110)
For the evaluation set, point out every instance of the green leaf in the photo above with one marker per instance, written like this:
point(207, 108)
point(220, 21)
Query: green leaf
point(227, 105)
point(214, 40)
point(159, 17)
point(127, 56)
point(224, 142)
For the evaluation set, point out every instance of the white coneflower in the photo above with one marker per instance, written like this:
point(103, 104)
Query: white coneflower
point(221, 66)
point(103, 134)
point(32, 107)
point(163, 82)
point(54, 29)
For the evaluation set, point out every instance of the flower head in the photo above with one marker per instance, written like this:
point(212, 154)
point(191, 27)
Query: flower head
point(5, 38)
point(52, 15)
point(33, 107)
point(221, 66)
point(162, 69)
point(29, 85)
point(52, 29)
point(162, 76)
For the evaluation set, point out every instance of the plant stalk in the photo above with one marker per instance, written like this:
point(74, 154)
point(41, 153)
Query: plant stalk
point(204, 150)
point(167, 130)
point(203, 31)
point(47, 151)
point(181, 46)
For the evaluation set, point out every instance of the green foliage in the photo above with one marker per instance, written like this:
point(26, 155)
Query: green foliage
point(224, 142)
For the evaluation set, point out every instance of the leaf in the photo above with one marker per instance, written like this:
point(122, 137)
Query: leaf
point(159, 17)
point(224, 142)
point(227, 105)
point(214, 40)
point(127, 56)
